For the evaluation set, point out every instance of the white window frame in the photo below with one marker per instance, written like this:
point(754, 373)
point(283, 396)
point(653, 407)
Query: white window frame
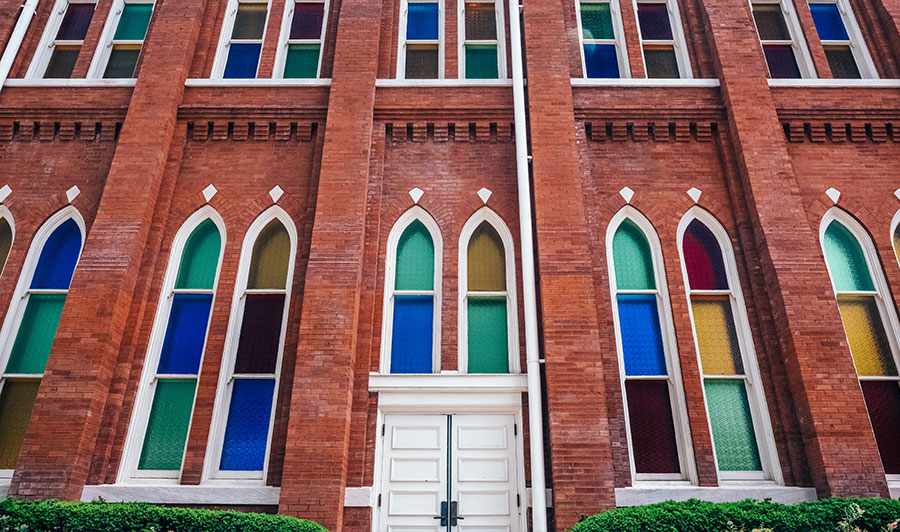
point(401, 52)
point(140, 416)
point(19, 299)
point(797, 42)
point(883, 300)
point(500, 42)
point(856, 43)
point(486, 215)
point(225, 41)
point(227, 376)
point(48, 43)
point(618, 33)
point(678, 42)
point(759, 412)
point(670, 351)
point(387, 322)
point(284, 40)
point(105, 46)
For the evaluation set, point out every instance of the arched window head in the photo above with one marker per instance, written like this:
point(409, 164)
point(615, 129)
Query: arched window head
point(415, 259)
point(631, 253)
point(271, 255)
point(703, 258)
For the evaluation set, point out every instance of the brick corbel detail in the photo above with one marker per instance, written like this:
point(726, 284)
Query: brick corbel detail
point(643, 131)
point(61, 130)
point(255, 130)
point(853, 131)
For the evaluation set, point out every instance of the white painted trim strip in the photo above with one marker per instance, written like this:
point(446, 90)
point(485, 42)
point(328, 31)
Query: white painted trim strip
point(636, 496)
point(29, 82)
point(893, 488)
point(836, 83)
point(4, 486)
point(233, 494)
point(358, 497)
point(638, 82)
point(443, 83)
point(548, 496)
point(266, 82)
point(454, 382)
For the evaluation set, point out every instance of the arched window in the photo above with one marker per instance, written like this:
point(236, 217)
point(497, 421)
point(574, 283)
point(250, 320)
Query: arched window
point(7, 231)
point(870, 325)
point(738, 417)
point(488, 337)
point(654, 405)
point(252, 364)
point(34, 316)
point(412, 290)
point(165, 402)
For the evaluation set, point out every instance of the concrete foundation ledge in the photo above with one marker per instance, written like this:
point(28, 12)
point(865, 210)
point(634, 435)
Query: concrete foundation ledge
point(4, 486)
point(639, 495)
point(225, 495)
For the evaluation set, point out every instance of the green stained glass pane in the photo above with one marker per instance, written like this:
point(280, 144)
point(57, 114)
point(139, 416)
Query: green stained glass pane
point(36, 332)
point(302, 61)
point(167, 428)
point(271, 255)
point(133, 22)
point(846, 262)
point(732, 426)
point(481, 61)
point(16, 402)
point(488, 342)
point(200, 257)
point(6, 238)
point(415, 259)
point(122, 61)
point(486, 268)
point(631, 255)
point(596, 21)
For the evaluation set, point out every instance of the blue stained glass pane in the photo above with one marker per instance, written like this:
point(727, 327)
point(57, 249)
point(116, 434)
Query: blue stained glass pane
point(422, 21)
point(243, 59)
point(185, 334)
point(247, 431)
point(57, 263)
point(600, 61)
point(642, 347)
point(828, 22)
point(411, 335)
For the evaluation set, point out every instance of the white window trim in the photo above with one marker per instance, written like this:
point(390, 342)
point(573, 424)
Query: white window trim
point(501, 37)
point(284, 40)
point(5, 214)
point(618, 33)
point(678, 41)
point(387, 322)
point(218, 70)
point(224, 388)
point(20, 296)
point(137, 426)
point(759, 412)
point(401, 52)
point(105, 45)
point(486, 215)
point(48, 43)
point(798, 43)
point(670, 350)
point(857, 43)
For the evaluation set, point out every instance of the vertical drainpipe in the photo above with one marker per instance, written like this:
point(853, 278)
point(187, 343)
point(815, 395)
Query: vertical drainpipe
point(15, 40)
point(533, 364)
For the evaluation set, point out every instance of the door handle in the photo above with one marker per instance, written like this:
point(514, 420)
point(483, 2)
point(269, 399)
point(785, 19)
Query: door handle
point(454, 513)
point(443, 516)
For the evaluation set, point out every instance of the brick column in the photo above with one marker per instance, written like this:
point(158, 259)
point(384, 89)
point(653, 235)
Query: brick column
point(316, 454)
point(581, 464)
point(840, 448)
point(66, 419)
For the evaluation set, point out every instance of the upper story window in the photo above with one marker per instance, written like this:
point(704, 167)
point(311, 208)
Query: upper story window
point(122, 39)
point(843, 43)
point(62, 40)
point(481, 40)
point(600, 33)
point(780, 36)
point(421, 54)
point(241, 42)
point(662, 40)
point(302, 34)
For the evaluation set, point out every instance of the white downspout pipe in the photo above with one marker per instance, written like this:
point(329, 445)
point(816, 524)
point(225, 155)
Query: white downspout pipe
point(15, 40)
point(533, 363)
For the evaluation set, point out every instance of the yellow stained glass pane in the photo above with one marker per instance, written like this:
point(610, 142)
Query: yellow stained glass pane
point(16, 403)
point(271, 255)
point(865, 333)
point(720, 352)
point(486, 263)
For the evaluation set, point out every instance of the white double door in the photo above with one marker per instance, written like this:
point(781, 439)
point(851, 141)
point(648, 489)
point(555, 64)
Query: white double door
point(467, 464)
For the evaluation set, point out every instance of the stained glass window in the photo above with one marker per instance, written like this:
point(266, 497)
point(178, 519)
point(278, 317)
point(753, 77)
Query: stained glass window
point(481, 57)
point(69, 39)
point(776, 40)
point(245, 43)
point(487, 302)
point(835, 39)
point(657, 40)
point(600, 47)
point(128, 39)
point(422, 40)
point(413, 301)
point(304, 43)
point(6, 240)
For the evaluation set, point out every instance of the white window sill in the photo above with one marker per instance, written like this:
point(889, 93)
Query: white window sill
point(448, 382)
point(264, 82)
point(642, 82)
point(728, 492)
point(836, 83)
point(28, 82)
point(443, 83)
point(233, 494)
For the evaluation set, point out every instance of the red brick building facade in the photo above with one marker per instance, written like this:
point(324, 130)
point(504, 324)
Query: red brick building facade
point(346, 136)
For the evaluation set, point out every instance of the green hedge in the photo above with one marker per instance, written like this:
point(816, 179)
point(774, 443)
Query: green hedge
point(47, 516)
point(827, 515)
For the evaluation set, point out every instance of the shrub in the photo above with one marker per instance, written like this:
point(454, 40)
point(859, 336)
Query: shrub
point(826, 515)
point(99, 516)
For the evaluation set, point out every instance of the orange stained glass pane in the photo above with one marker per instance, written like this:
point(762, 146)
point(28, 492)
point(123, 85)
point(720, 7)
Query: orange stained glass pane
point(16, 401)
point(865, 333)
point(487, 265)
point(271, 255)
point(717, 339)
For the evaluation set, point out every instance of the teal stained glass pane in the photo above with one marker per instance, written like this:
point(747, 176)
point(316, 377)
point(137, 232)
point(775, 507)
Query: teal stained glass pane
point(133, 22)
point(36, 333)
point(200, 257)
point(481, 61)
point(302, 61)
point(488, 342)
point(596, 21)
point(732, 426)
point(631, 255)
point(167, 428)
point(846, 262)
point(415, 259)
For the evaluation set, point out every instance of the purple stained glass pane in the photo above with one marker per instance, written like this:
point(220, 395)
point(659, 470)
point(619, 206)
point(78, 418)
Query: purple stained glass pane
point(654, 20)
point(652, 429)
point(781, 61)
point(75, 23)
point(260, 334)
point(883, 403)
point(307, 22)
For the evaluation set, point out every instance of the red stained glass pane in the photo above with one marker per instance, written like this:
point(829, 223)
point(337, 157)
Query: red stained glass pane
point(260, 334)
point(703, 258)
point(883, 402)
point(652, 429)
